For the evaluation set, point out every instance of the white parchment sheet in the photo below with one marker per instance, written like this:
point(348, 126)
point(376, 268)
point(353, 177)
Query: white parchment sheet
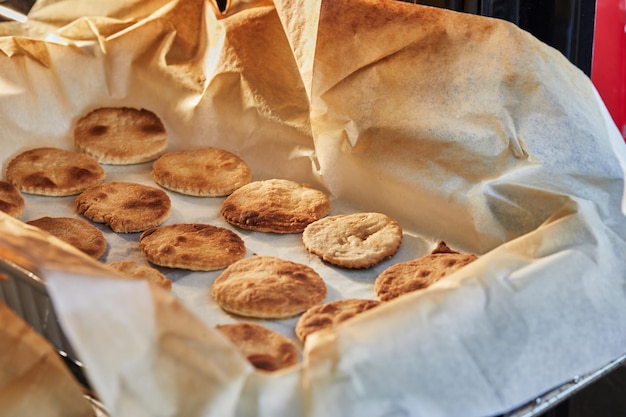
point(463, 128)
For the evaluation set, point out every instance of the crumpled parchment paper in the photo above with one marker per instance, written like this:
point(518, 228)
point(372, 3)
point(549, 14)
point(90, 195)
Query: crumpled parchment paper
point(464, 128)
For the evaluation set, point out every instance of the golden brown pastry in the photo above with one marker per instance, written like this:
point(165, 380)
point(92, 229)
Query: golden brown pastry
point(53, 172)
point(121, 135)
point(77, 232)
point(405, 277)
point(11, 200)
point(264, 348)
point(276, 205)
point(268, 287)
point(204, 172)
point(124, 206)
point(329, 315)
point(133, 270)
point(198, 247)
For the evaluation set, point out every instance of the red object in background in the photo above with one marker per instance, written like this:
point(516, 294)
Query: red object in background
point(608, 67)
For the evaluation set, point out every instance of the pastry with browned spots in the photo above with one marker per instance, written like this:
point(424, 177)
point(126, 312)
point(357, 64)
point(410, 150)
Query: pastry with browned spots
point(264, 348)
point(53, 172)
point(203, 172)
point(420, 273)
point(329, 315)
point(268, 287)
point(77, 232)
point(275, 205)
point(124, 206)
point(193, 246)
point(121, 135)
point(11, 200)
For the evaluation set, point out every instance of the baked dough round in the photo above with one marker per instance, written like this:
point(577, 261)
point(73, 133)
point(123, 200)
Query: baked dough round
point(329, 315)
point(11, 200)
point(135, 271)
point(275, 205)
point(264, 348)
point(420, 273)
point(124, 206)
point(268, 287)
point(77, 232)
point(121, 135)
point(358, 240)
point(194, 246)
point(204, 172)
point(53, 172)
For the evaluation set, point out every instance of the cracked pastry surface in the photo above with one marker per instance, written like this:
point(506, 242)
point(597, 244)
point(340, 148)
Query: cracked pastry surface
point(358, 240)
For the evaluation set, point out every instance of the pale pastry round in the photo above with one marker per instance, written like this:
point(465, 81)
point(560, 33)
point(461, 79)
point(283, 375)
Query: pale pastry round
point(329, 315)
point(276, 205)
point(53, 172)
point(405, 277)
point(124, 206)
point(204, 172)
point(121, 135)
point(358, 240)
point(193, 246)
point(77, 232)
point(11, 200)
point(133, 270)
point(264, 348)
point(268, 287)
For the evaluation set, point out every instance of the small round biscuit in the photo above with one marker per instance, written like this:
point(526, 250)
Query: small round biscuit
point(193, 246)
point(204, 172)
point(276, 205)
point(264, 348)
point(419, 273)
point(77, 232)
point(268, 287)
point(121, 135)
point(133, 270)
point(53, 172)
point(329, 315)
point(358, 240)
point(11, 200)
point(124, 206)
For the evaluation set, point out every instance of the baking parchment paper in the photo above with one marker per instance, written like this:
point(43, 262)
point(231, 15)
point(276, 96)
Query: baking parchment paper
point(34, 380)
point(464, 128)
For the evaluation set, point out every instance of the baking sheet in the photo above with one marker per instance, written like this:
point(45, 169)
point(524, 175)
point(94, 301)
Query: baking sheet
point(492, 141)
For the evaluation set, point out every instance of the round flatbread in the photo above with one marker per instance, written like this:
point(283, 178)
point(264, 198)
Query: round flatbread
point(11, 200)
point(53, 172)
point(419, 273)
point(276, 205)
point(358, 240)
point(121, 135)
point(77, 232)
point(264, 348)
point(133, 270)
point(204, 172)
point(125, 207)
point(198, 247)
point(268, 287)
point(329, 315)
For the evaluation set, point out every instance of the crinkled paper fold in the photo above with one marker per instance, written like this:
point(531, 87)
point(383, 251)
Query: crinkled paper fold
point(464, 128)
